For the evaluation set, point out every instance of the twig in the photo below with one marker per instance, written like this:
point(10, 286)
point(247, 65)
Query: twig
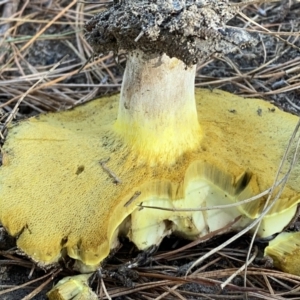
point(135, 195)
point(111, 174)
point(292, 103)
point(104, 289)
point(241, 202)
point(241, 269)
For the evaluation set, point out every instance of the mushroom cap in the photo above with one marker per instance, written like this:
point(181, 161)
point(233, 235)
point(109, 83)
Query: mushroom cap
point(70, 184)
point(189, 30)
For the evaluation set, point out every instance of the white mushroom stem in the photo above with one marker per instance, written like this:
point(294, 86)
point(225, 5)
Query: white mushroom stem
point(157, 113)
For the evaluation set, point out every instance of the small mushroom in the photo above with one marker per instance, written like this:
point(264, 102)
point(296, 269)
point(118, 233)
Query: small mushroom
point(284, 250)
point(73, 181)
point(73, 288)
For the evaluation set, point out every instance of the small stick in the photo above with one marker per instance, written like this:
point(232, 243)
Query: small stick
point(241, 202)
point(241, 269)
point(90, 58)
point(111, 174)
point(139, 36)
point(135, 195)
point(104, 289)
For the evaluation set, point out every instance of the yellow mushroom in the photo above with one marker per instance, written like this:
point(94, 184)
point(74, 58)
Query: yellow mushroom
point(73, 288)
point(73, 181)
point(285, 252)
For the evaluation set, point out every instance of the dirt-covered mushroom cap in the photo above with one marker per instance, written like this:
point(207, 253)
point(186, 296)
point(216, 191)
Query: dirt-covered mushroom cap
point(188, 30)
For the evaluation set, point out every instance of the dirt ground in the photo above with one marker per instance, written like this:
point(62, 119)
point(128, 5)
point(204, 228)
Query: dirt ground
point(36, 35)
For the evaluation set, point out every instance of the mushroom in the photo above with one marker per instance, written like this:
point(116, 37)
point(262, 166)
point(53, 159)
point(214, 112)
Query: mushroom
point(284, 251)
point(73, 287)
point(73, 181)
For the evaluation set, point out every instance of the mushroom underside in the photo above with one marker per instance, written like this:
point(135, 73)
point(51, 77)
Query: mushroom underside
point(69, 182)
point(284, 251)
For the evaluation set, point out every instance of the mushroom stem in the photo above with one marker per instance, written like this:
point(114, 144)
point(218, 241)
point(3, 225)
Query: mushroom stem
point(157, 111)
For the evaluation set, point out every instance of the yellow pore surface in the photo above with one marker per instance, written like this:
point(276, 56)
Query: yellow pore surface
point(68, 179)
